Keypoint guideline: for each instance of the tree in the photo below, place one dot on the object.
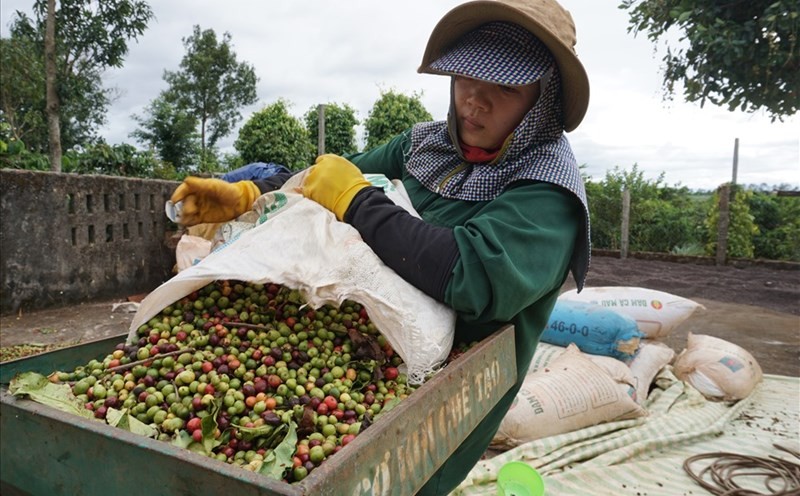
(170, 130)
(741, 226)
(778, 221)
(21, 95)
(212, 85)
(89, 37)
(392, 114)
(740, 53)
(661, 218)
(340, 133)
(273, 135)
(52, 102)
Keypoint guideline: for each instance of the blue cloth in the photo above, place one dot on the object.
(254, 171)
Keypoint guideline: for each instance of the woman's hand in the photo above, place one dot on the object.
(213, 200)
(333, 182)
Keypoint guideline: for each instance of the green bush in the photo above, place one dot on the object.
(392, 114)
(741, 225)
(272, 135)
(340, 132)
(778, 221)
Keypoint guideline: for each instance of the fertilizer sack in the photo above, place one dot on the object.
(571, 393)
(547, 353)
(293, 241)
(656, 313)
(593, 328)
(650, 358)
(648, 362)
(719, 369)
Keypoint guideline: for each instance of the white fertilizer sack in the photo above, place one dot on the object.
(656, 313)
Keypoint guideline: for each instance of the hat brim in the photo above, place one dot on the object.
(466, 17)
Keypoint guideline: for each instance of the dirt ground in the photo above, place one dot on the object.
(755, 307)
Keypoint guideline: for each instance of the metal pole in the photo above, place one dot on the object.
(735, 160)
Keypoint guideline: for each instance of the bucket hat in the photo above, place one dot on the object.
(545, 19)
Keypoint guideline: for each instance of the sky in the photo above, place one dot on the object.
(309, 52)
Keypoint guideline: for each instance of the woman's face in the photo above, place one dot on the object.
(486, 113)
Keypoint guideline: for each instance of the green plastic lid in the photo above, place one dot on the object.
(519, 479)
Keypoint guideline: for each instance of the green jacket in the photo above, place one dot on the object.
(514, 251)
(513, 255)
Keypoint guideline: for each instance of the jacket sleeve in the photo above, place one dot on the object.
(421, 253)
(273, 182)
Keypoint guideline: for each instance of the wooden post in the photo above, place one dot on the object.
(626, 215)
(722, 224)
(320, 129)
(735, 160)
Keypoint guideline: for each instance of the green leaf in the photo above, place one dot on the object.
(250, 433)
(123, 420)
(39, 389)
(209, 427)
(279, 460)
(183, 439)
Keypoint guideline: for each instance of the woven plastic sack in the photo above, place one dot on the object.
(190, 250)
(719, 369)
(656, 313)
(546, 353)
(293, 241)
(571, 393)
(648, 362)
(593, 328)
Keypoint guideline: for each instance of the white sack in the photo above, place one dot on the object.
(190, 250)
(719, 369)
(546, 353)
(299, 244)
(571, 393)
(656, 313)
(649, 360)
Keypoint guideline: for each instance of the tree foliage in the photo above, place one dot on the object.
(212, 85)
(778, 221)
(171, 131)
(340, 123)
(91, 36)
(742, 54)
(273, 135)
(101, 158)
(392, 114)
(662, 218)
(22, 91)
(741, 224)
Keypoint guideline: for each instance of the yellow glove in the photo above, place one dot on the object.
(333, 183)
(213, 200)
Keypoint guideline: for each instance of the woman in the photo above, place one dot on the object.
(504, 214)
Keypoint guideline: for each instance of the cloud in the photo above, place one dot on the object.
(316, 51)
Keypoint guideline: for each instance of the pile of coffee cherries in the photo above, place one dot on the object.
(236, 370)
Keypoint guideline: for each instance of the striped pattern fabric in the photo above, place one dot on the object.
(645, 456)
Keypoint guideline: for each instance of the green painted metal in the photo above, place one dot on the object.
(48, 452)
(66, 358)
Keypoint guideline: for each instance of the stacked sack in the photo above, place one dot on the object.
(600, 354)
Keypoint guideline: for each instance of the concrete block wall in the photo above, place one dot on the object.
(69, 238)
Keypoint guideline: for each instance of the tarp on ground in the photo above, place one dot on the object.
(646, 455)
